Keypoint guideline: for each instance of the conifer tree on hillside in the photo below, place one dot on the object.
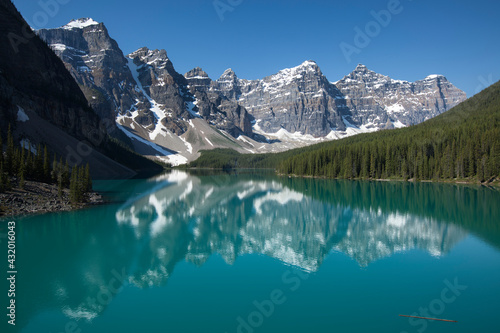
(1, 148)
(46, 164)
(9, 152)
(22, 164)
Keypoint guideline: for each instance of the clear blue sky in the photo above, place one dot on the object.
(456, 38)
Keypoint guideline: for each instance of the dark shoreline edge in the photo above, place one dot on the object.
(492, 182)
(40, 198)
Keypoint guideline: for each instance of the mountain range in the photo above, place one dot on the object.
(173, 116)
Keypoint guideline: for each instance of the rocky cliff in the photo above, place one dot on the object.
(377, 101)
(299, 99)
(98, 65)
(217, 109)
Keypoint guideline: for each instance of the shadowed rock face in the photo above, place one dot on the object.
(32, 77)
(35, 83)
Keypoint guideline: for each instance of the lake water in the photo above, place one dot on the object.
(254, 252)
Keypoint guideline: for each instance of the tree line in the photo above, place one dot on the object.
(21, 163)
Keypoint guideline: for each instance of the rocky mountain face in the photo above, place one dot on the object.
(42, 101)
(146, 96)
(302, 100)
(98, 66)
(217, 109)
(166, 90)
(299, 99)
(377, 101)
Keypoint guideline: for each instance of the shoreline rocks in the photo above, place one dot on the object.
(39, 198)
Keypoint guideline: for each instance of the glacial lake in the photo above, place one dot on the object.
(253, 252)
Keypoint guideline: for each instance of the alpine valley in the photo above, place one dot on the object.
(173, 116)
(137, 198)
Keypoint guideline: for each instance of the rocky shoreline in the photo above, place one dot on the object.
(38, 198)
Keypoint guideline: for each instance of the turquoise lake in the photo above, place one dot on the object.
(254, 252)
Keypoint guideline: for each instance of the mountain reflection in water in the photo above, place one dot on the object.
(180, 217)
(191, 218)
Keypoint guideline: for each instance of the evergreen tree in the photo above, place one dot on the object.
(46, 165)
(9, 162)
(1, 148)
(2, 179)
(38, 170)
(65, 174)
(55, 170)
(88, 179)
(59, 187)
(73, 186)
(29, 165)
(21, 169)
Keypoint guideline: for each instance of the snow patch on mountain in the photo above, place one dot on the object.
(21, 115)
(153, 145)
(395, 108)
(155, 107)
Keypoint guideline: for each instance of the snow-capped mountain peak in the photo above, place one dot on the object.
(309, 65)
(361, 72)
(435, 77)
(360, 67)
(289, 74)
(156, 58)
(80, 23)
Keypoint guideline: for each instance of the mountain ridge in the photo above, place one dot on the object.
(294, 107)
